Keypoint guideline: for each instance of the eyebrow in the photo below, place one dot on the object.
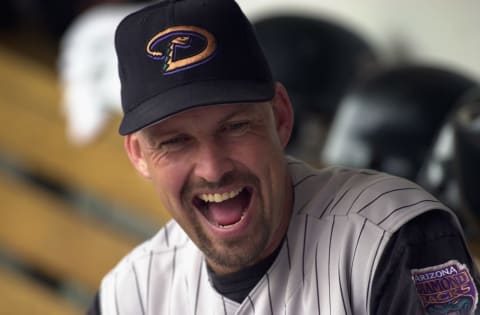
(150, 136)
(239, 111)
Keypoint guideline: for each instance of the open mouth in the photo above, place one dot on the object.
(224, 210)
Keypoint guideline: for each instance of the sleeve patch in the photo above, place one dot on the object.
(446, 289)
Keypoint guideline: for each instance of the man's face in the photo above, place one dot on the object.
(220, 170)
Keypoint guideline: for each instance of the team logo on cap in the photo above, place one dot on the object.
(181, 47)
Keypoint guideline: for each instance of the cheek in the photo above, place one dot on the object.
(168, 182)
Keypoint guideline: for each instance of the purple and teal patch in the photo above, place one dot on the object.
(446, 289)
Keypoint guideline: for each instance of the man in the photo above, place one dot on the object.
(253, 231)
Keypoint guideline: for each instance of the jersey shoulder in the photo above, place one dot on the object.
(169, 238)
(144, 277)
(386, 200)
(150, 263)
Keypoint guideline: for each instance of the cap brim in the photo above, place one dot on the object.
(193, 95)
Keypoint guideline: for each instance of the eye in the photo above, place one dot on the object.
(236, 128)
(175, 143)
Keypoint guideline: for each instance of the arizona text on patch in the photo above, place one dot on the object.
(181, 47)
(446, 289)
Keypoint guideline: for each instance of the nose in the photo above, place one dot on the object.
(212, 162)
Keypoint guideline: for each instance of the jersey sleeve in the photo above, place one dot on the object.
(426, 268)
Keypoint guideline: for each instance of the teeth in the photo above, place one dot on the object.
(220, 197)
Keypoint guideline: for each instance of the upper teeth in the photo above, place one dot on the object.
(219, 197)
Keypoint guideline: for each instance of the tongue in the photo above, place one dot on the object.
(225, 213)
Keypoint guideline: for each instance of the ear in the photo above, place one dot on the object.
(283, 111)
(135, 154)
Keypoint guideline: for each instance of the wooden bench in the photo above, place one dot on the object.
(53, 234)
(55, 239)
(32, 131)
(22, 296)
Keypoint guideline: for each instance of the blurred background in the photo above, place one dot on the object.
(392, 86)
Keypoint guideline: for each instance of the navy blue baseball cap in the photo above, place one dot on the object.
(174, 55)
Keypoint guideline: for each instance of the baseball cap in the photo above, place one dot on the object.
(174, 55)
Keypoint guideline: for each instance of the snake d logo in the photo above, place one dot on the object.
(181, 47)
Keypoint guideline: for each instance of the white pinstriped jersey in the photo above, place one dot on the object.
(342, 220)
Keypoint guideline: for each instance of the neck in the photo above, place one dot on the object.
(237, 285)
